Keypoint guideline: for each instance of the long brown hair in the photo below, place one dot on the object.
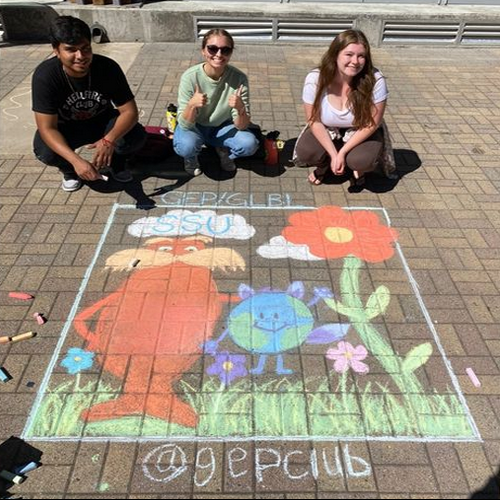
(360, 99)
(216, 32)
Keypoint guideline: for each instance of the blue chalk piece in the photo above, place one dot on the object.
(23, 469)
(5, 376)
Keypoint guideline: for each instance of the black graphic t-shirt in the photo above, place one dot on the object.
(80, 101)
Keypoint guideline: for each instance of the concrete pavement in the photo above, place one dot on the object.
(404, 420)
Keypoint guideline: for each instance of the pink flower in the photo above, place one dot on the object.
(346, 356)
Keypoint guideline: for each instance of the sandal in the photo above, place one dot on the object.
(315, 178)
(356, 184)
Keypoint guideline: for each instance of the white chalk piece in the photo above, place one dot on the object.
(5, 376)
(473, 377)
(13, 478)
(23, 469)
(134, 262)
(104, 177)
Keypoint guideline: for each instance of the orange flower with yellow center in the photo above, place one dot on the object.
(333, 233)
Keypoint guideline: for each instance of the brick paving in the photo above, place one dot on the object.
(443, 114)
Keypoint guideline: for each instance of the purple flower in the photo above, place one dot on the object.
(228, 367)
(347, 356)
(321, 292)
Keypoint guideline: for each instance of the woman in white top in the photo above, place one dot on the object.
(344, 102)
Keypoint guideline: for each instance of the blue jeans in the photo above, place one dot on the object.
(188, 142)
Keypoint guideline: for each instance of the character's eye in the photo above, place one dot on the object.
(276, 316)
(165, 249)
(261, 315)
(191, 249)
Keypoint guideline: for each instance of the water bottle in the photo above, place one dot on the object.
(171, 115)
(271, 149)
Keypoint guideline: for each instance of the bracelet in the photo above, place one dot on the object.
(107, 142)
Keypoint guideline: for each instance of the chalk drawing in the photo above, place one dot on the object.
(186, 222)
(200, 467)
(219, 334)
(160, 464)
(7, 111)
(152, 326)
(271, 322)
(234, 456)
(227, 199)
(168, 462)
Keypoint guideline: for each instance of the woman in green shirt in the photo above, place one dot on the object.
(214, 107)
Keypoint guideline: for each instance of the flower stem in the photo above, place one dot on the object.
(374, 342)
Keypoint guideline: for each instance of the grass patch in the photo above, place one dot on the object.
(272, 408)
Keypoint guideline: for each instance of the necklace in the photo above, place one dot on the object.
(73, 90)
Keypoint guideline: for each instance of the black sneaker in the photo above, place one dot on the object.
(226, 163)
(192, 166)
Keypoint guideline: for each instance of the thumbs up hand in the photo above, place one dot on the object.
(199, 98)
(235, 100)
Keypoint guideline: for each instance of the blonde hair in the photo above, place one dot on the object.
(360, 99)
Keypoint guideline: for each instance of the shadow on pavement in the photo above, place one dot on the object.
(491, 489)
(407, 161)
(172, 168)
(15, 453)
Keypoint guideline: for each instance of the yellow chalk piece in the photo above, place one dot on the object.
(23, 336)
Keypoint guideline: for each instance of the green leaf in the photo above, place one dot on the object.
(333, 304)
(417, 357)
(354, 313)
(378, 302)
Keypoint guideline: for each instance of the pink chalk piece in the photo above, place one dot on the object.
(39, 318)
(20, 295)
(473, 377)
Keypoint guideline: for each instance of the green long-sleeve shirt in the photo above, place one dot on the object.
(217, 110)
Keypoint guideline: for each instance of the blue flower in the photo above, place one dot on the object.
(78, 360)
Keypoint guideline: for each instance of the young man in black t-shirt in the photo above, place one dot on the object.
(78, 99)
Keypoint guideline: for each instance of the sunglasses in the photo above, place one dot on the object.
(214, 49)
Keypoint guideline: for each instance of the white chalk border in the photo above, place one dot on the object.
(83, 286)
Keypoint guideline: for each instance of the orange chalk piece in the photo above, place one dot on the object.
(21, 296)
(39, 318)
